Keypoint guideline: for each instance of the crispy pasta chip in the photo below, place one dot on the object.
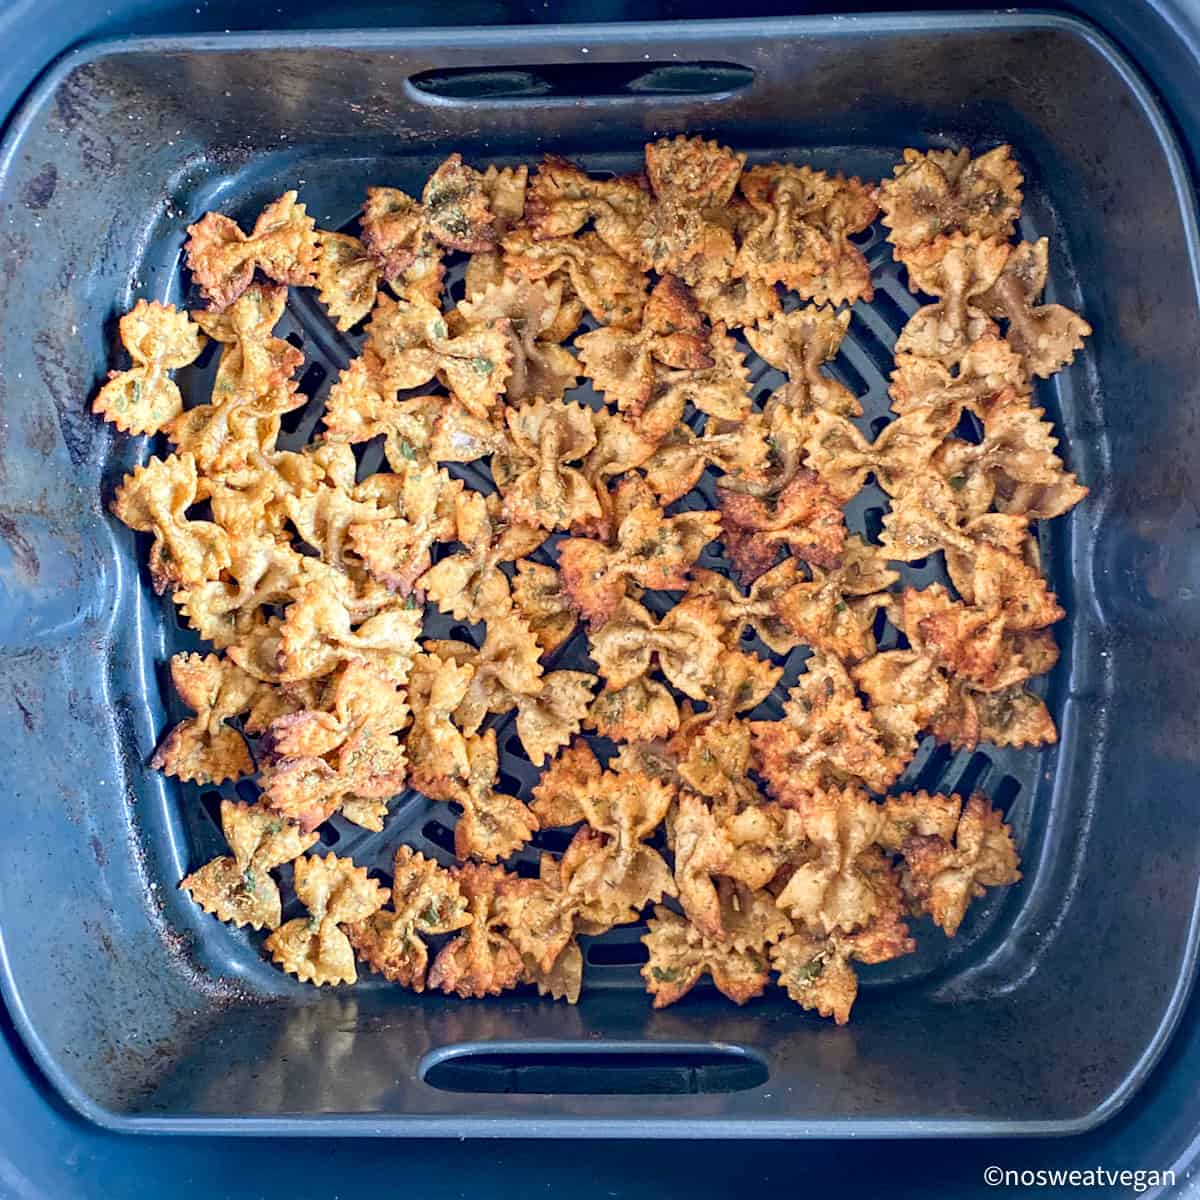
(800, 234)
(204, 749)
(469, 585)
(282, 245)
(652, 550)
(482, 960)
(941, 876)
(528, 313)
(684, 232)
(409, 343)
(457, 207)
(680, 956)
(756, 610)
(493, 825)
(640, 711)
(426, 900)
(941, 192)
(906, 692)
(318, 634)
(397, 550)
(556, 798)
(684, 643)
(144, 399)
(239, 888)
(544, 605)
(826, 737)
(1046, 336)
(536, 477)
(815, 968)
(612, 290)
(563, 198)
(803, 518)
(437, 749)
(154, 499)
(842, 458)
(315, 948)
(347, 278)
(961, 270)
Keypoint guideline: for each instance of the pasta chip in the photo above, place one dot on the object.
(204, 749)
(815, 968)
(154, 499)
(282, 245)
(804, 518)
(756, 610)
(652, 550)
(542, 601)
(397, 550)
(611, 289)
(941, 192)
(144, 399)
(536, 477)
(482, 960)
(409, 343)
(941, 877)
(528, 313)
(800, 235)
(469, 585)
(680, 956)
(959, 269)
(684, 643)
(684, 232)
(563, 198)
(1046, 336)
(315, 948)
(239, 888)
(426, 900)
(826, 737)
(556, 798)
(639, 711)
(347, 278)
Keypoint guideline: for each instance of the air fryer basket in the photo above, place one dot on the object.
(1047, 1010)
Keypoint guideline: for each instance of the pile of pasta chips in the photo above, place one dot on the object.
(756, 849)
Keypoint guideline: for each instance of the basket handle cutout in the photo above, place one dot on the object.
(552, 82)
(600, 1069)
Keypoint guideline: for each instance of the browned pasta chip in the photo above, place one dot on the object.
(680, 955)
(144, 399)
(282, 244)
(238, 888)
(946, 191)
(203, 748)
(315, 948)
(426, 900)
(801, 230)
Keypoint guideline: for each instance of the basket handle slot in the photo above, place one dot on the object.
(598, 1069)
(580, 81)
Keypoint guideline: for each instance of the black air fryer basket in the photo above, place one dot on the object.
(1051, 1005)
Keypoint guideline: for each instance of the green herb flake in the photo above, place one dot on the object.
(665, 974)
(806, 974)
(958, 482)
(249, 883)
(431, 915)
(407, 450)
(482, 366)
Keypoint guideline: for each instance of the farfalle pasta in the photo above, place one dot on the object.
(718, 700)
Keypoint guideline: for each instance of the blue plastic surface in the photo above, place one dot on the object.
(50, 1153)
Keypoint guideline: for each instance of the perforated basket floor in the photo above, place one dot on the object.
(863, 365)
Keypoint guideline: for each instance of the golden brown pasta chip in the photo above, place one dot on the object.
(144, 398)
(222, 259)
(238, 888)
(315, 948)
